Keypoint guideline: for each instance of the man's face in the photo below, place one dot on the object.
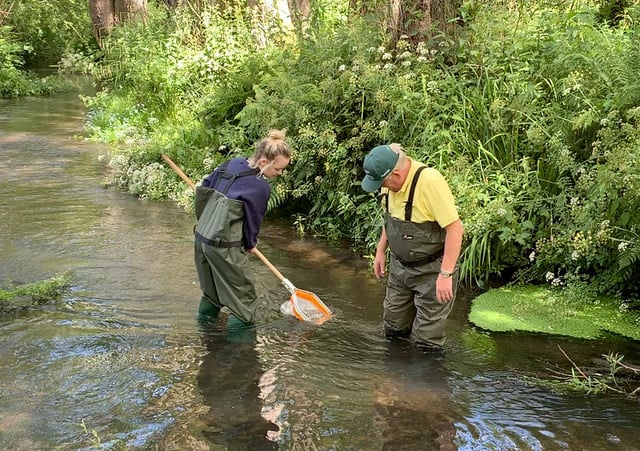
(393, 181)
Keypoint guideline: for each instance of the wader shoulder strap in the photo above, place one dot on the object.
(230, 178)
(408, 208)
(383, 198)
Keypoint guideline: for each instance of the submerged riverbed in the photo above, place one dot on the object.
(121, 361)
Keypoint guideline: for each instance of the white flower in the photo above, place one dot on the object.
(342, 68)
(623, 246)
(386, 56)
(549, 276)
(532, 256)
(575, 256)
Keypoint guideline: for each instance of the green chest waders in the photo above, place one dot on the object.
(410, 306)
(223, 267)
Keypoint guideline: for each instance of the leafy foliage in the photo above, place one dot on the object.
(47, 30)
(534, 309)
(530, 113)
(14, 81)
(34, 35)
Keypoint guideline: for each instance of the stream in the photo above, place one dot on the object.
(121, 361)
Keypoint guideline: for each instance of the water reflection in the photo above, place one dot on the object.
(413, 404)
(229, 380)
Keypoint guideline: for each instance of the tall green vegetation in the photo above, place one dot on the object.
(14, 81)
(49, 30)
(37, 34)
(532, 113)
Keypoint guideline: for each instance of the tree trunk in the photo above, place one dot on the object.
(130, 9)
(422, 19)
(105, 14)
(102, 17)
(300, 13)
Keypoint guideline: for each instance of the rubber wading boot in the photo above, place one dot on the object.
(239, 331)
(207, 311)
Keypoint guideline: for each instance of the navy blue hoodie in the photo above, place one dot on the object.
(253, 191)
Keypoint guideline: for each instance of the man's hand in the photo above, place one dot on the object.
(444, 289)
(380, 264)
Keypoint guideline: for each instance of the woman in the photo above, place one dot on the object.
(230, 205)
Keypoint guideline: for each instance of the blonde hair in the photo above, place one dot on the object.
(271, 146)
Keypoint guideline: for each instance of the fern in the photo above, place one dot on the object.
(629, 262)
(279, 194)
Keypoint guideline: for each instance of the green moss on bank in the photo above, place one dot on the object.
(539, 309)
(39, 292)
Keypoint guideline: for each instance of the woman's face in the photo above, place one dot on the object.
(273, 168)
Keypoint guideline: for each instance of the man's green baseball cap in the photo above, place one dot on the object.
(377, 165)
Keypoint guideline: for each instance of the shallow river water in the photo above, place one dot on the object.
(122, 363)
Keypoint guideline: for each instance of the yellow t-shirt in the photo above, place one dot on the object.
(432, 200)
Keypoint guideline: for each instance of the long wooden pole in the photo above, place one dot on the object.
(182, 175)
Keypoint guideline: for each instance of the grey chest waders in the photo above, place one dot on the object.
(410, 242)
(410, 305)
(223, 267)
(220, 218)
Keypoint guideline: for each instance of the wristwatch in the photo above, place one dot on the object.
(445, 274)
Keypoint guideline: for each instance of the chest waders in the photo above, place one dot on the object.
(223, 266)
(410, 305)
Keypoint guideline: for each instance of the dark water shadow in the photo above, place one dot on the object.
(228, 379)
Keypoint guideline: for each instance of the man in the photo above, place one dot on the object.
(424, 233)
